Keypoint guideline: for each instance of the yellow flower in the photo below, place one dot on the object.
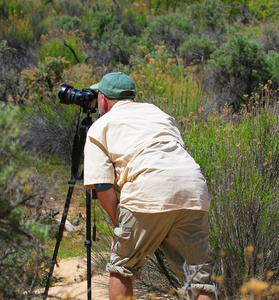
(269, 274)
(254, 286)
(218, 279)
(201, 110)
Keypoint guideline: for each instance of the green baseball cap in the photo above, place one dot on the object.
(114, 84)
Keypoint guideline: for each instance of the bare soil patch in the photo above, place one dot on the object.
(71, 283)
(70, 275)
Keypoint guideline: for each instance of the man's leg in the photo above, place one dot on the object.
(203, 295)
(120, 286)
(186, 248)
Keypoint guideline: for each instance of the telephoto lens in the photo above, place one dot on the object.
(86, 98)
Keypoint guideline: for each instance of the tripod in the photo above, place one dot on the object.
(77, 151)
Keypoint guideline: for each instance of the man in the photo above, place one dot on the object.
(136, 149)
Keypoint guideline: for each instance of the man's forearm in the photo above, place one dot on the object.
(109, 202)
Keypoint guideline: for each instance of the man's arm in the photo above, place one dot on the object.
(109, 202)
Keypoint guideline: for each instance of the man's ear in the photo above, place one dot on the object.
(103, 104)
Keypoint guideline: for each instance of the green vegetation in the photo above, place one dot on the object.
(212, 64)
(239, 156)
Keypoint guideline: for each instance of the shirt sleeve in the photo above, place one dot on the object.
(97, 165)
(102, 187)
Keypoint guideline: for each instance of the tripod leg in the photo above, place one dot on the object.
(77, 152)
(59, 236)
(88, 242)
(164, 269)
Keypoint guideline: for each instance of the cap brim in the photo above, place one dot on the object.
(94, 86)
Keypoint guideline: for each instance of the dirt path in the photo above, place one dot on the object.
(72, 282)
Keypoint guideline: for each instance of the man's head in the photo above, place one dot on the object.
(113, 87)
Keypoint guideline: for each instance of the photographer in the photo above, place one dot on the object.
(136, 149)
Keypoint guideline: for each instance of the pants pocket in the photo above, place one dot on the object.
(122, 237)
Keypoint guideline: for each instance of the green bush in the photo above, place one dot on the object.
(269, 37)
(21, 236)
(170, 30)
(120, 47)
(239, 157)
(237, 69)
(249, 12)
(68, 23)
(100, 21)
(10, 87)
(114, 35)
(197, 49)
(130, 24)
(73, 8)
(263, 9)
(162, 79)
(209, 16)
(60, 44)
(43, 81)
(22, 22)
(273, 62)
(49, 129)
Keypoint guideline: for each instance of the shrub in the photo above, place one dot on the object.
(48, 126)
(197, 49)
(114, 35)
(41, 82)
(263, 10)
(130, 26)
(249, 12)
(49, 129)
(273, 62)
(237, 69)
(9, 85)
(120, 47)
(163, 80)
(22, 23)
(170, 30)
(21, 236)
(239, 157)
(73, 8)
(269, 37)
(100, 21)
(17, 27)
(209, 17)
(62, 44)
(68, 23)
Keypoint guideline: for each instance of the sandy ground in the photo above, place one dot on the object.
(72, 281)
(71, 284)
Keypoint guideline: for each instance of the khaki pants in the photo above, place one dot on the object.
(182, 235)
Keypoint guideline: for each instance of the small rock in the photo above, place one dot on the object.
(77, 219)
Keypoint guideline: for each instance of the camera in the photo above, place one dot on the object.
(86, 98)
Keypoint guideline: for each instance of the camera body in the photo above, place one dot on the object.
(86, 98)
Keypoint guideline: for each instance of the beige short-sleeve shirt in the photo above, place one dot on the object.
(139, 149)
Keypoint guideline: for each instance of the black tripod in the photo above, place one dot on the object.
(78, 147)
